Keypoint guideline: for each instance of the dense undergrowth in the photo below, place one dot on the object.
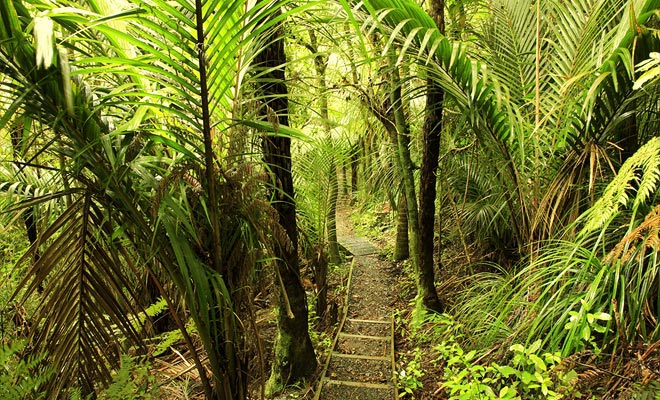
(550, 328)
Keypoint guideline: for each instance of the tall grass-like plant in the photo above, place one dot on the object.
(599, 290)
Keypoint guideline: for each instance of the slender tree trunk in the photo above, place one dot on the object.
(355, 164)
(344, 174)
(320, 265)
(333, 245)
(425, 288)
(294, 355)
(321, 65)
(428, 179)
(29, 214)
(402, 245)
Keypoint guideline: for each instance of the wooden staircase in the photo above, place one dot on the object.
(360, 362)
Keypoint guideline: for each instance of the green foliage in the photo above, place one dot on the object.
(165, 340)
(22, 377)
(583, 323)
(409, 377)
(132, 381)
(530, 374)
(650, 391)
(314, 165)
(587, 293)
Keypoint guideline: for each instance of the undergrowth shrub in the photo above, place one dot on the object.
(21, 377)
(132, 381)
(527, 372)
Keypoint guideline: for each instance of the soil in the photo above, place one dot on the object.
(349, 393)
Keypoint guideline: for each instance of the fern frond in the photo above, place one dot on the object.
(636, 181)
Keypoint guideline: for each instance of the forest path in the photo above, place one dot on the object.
(360, 365)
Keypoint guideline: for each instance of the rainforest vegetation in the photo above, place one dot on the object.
(171, 173)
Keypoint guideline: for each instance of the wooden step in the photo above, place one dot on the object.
(355, 336)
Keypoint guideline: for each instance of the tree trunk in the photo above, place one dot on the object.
(333, 245)
(294, 355)
(320, 266)
(344, 175)
(29, 213)
(355, 164)
(425, 288)
(428, 179)
(402, 245)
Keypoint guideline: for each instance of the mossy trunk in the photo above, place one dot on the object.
(294, 355)
(402, 245)
(344, 174)
(333, 244)
(427, 182)
(425, 287)
(355, 165)
(320, 267)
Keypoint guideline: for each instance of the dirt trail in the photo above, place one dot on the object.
(360, 366)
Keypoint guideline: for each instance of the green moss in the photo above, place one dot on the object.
(419, 313)
(276, 381)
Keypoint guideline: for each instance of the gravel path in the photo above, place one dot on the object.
(361, 367)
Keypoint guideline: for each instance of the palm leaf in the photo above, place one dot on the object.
(84, 304)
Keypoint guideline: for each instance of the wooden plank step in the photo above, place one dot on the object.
(368, 321)
(355, 336)
(361, 357)
(359, 384)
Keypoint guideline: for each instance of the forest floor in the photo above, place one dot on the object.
(361, 343)
(361, 362)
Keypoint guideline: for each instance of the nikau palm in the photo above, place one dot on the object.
(139, 114)
(570, 97)
(130, 123)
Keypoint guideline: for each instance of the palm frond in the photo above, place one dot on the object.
(511, 47)
(86, 303)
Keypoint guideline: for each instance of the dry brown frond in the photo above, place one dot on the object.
(647, 231)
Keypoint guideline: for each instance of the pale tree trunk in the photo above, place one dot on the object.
(294, 355)
(427, 186)
(321, 65)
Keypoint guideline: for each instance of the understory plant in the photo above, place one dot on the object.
(22, 377)
(596, 289)
(529, 374)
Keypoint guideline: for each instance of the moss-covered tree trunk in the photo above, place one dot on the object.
(355, 167)
(294, 355)
(427, 182)
(425, 287)
(333, 244)
(401, 245)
